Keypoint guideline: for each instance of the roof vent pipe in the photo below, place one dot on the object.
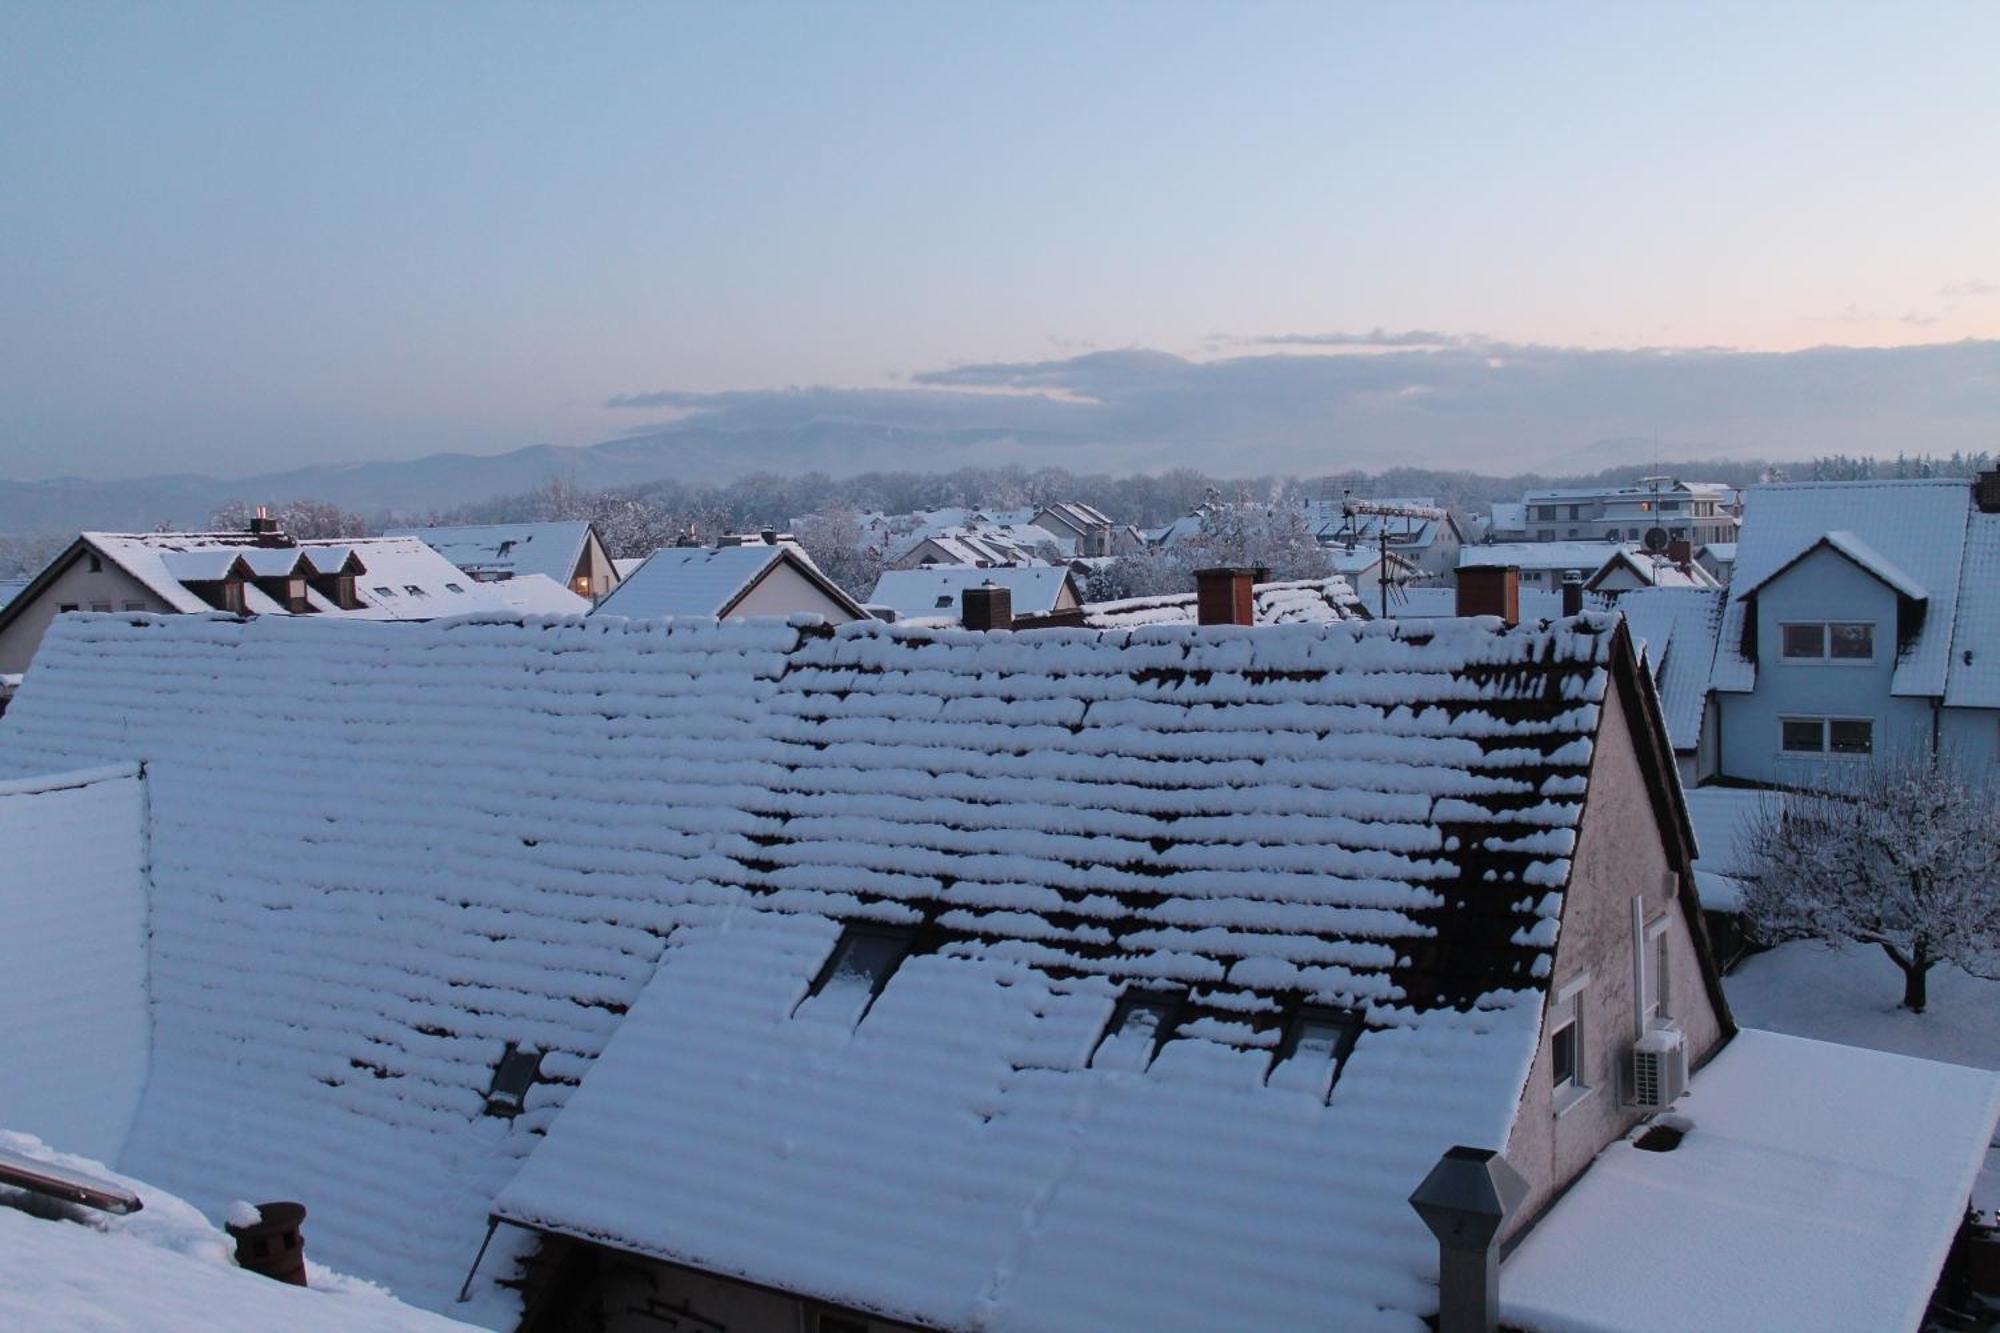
(1572, 593)
(988, 606)
(270, 1243)
(1225, 595)
(1464, 1201)
(1490, 590)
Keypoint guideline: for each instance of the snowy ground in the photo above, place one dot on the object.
(1853, 995)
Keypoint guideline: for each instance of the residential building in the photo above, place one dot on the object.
(1627, 569)
(1718, 558)
(934, 592)
(1692, 511)
(1085, 530)
(978, 547)
(1677, 629)
(571, 553)
(1366, 569)
(262, 572)
(1429, 542)
(1284, 602)
(1863, 619)
(760, 575)
(1064, 981)
(1543, 565)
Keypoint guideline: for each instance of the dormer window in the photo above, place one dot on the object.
(1141, 1022)
(855, 973)
(517, 1071)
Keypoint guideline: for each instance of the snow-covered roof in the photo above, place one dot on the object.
(1287, 602)
(498, 549)
(1910, 534)
(1974, 679)
(1677, 628)
(1800, 1198)
(1585, 556)
(403, 579)
(537, 595)
(990, 543)
(1721, 552)
(10, 589)
(166, 1267)
(1508, 516)
(1722, 818)
(1437, 602)
(1653, 571)
(1363, 559)
(1263, 816)
(710, 580)
(933, 590)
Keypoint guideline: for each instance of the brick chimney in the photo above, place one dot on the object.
(1572, 593)
(1490, 590)
(988, 606)
(265, 528)
(1681, 552)
(269, 1242)
(1986, 491)
(1225, 595)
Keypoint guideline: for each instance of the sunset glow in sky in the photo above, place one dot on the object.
(358, 231)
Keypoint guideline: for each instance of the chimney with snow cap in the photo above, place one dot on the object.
(1572, 593)
(988, 606)
(1226, 595)
(268, 1239)
(1465, 1199)
(1490, 590)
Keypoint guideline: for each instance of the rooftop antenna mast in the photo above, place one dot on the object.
(1352, 508)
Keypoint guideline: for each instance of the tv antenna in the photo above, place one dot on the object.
(1351, 508)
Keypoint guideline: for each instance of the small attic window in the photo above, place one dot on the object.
(453, 587)
(385, 592)
(855, 973)
(1315, 1049)
(517, 1071)
(413, 590)
(1141, 1022)
(944, 599)
(506, 547)
(96, 564)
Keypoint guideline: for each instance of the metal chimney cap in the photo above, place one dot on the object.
(1467, 1195)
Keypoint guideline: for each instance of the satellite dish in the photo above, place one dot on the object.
(1656, 540)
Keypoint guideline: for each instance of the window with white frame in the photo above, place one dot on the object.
(1656, 1001)
(1846, 737)
(1567, 1048)
(1823, 641)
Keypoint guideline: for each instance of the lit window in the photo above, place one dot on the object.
(517, 1071)
(1852, 643)
(1141, 1022)
(1803, 735)
(1805, 641)
(859, 967)
(1315, 1049)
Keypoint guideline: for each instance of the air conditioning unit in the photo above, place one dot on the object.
(1659, 1069)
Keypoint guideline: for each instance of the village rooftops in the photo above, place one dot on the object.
(933, 591)
(503, 550)
(1678, 628)
(1584, 556)
(721, 581)
(1287, 602)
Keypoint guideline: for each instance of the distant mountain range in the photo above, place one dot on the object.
(415, 487)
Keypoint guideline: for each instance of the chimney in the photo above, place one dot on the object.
(265, 528)
(1572, 593)
(1225, 595)
(988, 606)
(1490, 590)
(269, 1242)
(770, 536)
(1681, 552)
(1464, 1201)
(1986, 491)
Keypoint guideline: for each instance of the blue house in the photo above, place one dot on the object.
(1863, 619)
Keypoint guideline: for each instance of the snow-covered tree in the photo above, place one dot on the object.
(838, 545)
(296, 518)
(1273, 537)
(1904, 855)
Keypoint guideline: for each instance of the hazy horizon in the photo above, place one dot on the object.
(244, 239)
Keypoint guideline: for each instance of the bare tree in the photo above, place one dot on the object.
(840, 548)
(296, 518)
(1904, 855)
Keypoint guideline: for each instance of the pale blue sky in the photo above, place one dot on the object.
(249, 235)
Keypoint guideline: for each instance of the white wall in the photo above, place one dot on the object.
(109, 589)
(74, 1029)
(783, 591)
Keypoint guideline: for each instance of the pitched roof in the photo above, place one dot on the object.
(711, 580)
(1678, 629)
(1287, 602)
(1585, 556)
(1911, 534)
(1439, 602)
(933, 590)
(1371, 815)
(554, 549)
(1721, 817)
(1974, 680)
(1652, 571)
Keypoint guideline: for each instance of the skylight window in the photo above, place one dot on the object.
(859, 967)
(453, 587)
(1140, 1024)
(413, 590)
(517, 1071)
(385, 592)
(1315, 1049)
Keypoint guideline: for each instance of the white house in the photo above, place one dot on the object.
(933, 592)
(1429, 544)
(1863, 618)
(755, 577)
(570, 553)
(1692, 511)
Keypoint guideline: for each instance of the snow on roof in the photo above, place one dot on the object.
(706, 580)
(1974, 681)
(1677, 628)
(933, 590)
(1724, 552)
(554, 549)
(624, 565)
(1909, 533)
(990, 543)
(1862, 554)
(166, 1267)
(1433, 603)
(1262, 815)
(1653, 571)
(1721, 817)
(1287, 602)
(1585, 556)
(11, 588)
(1509, 515)
(536, 595)
(1799, 1199)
